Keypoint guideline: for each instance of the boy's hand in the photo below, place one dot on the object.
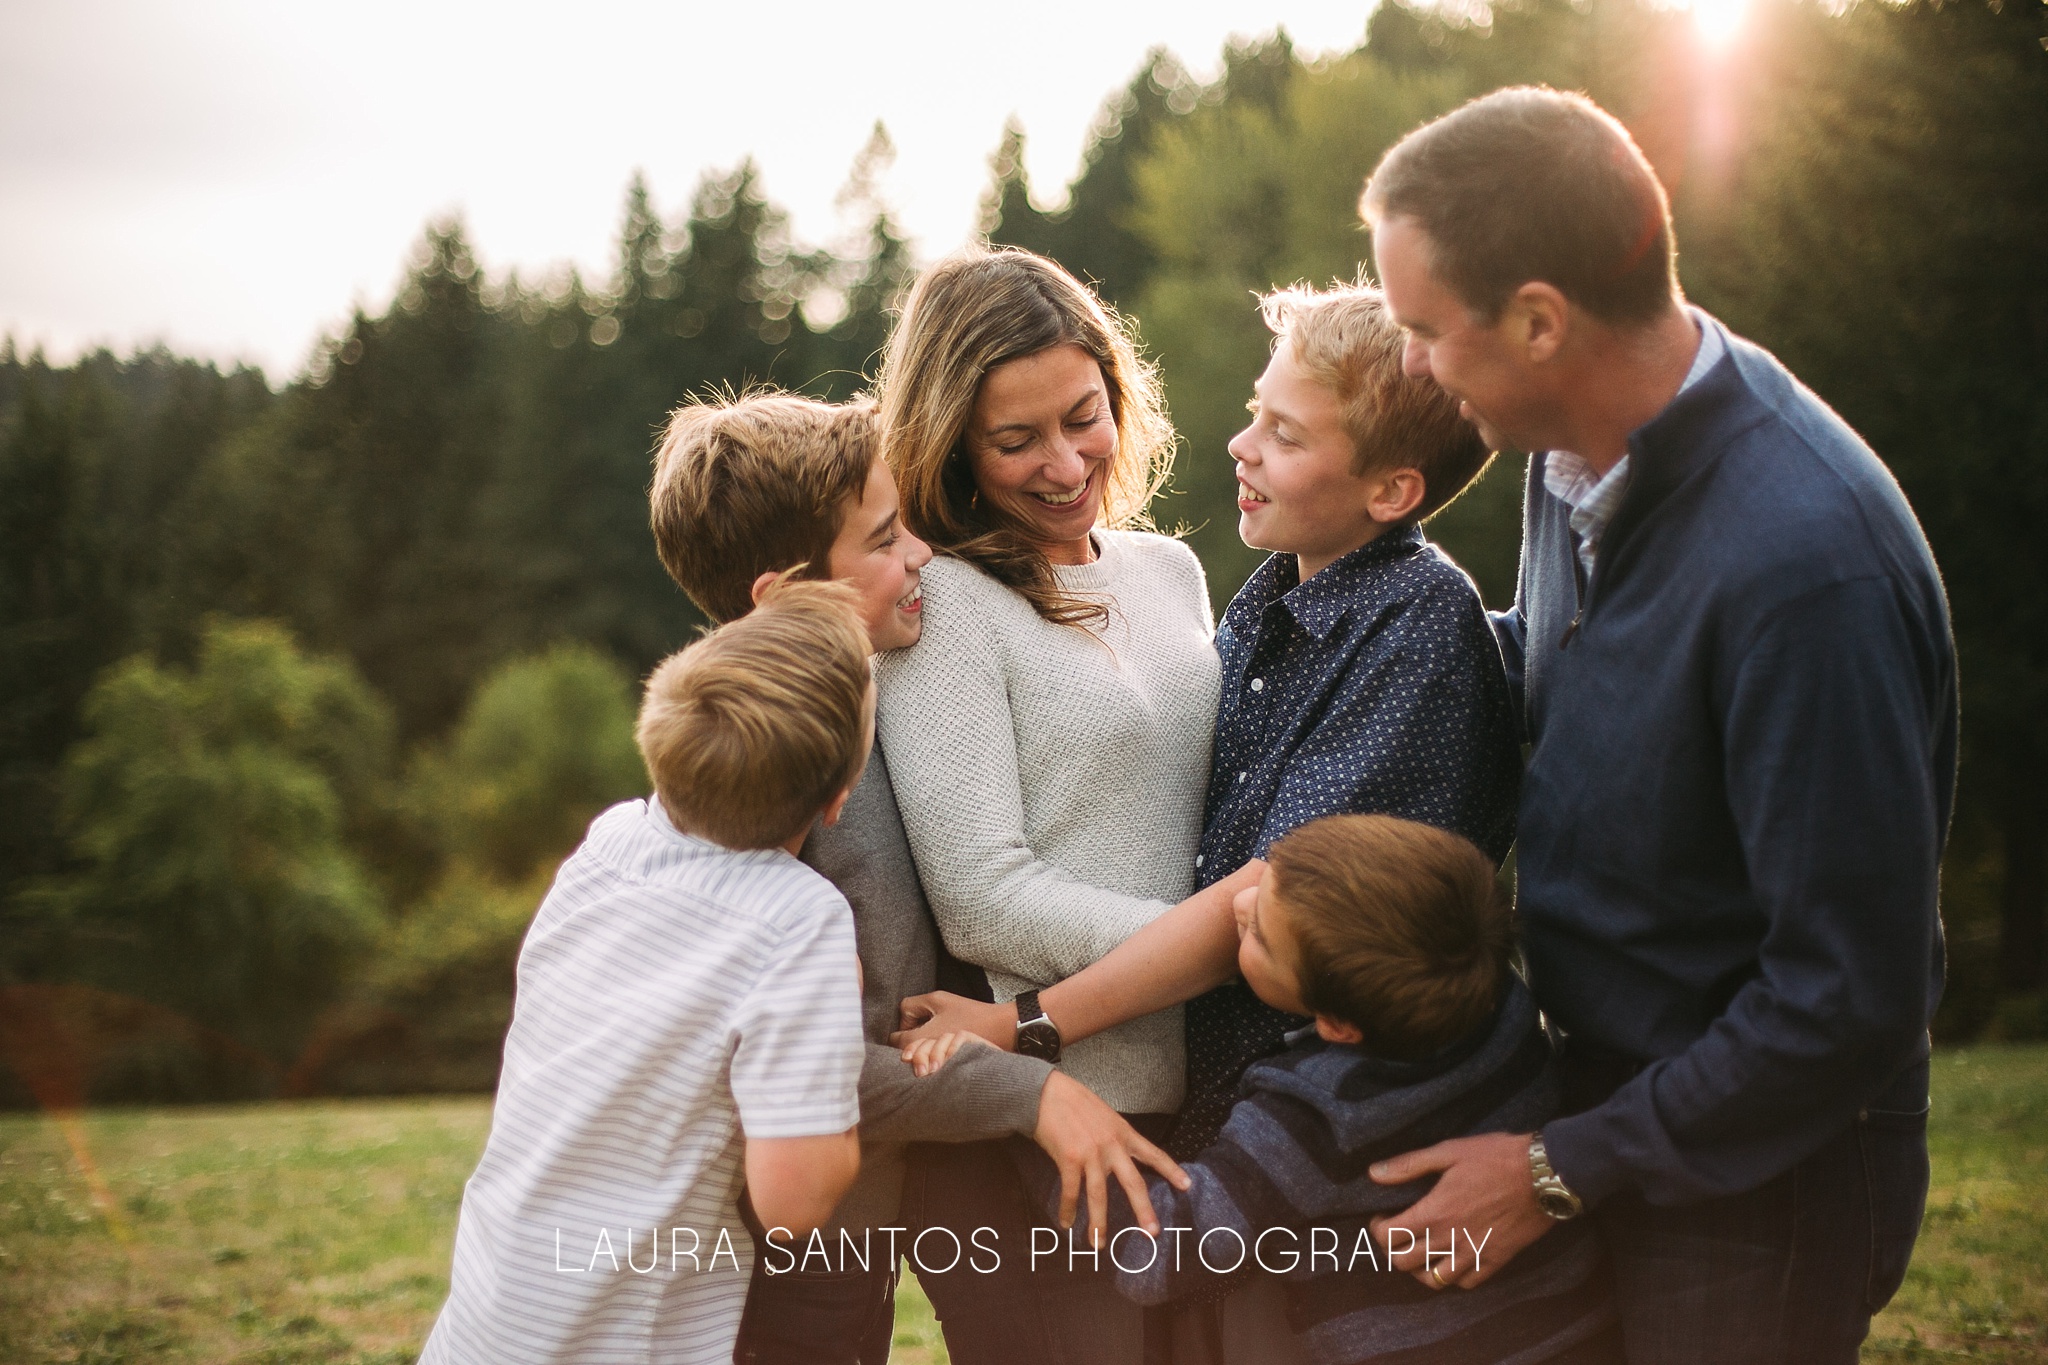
(1090, 1141)
(927, 1055)
(942, 1012)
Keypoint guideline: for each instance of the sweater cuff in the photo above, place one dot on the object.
(1588, 1167)
(1011, 1086)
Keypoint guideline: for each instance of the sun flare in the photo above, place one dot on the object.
(1719, 21)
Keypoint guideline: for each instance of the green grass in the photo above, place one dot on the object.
(316, 1233)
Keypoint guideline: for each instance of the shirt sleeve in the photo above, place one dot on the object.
(1833, 784)
(950, 734)
(980, 1093)
(1420, 728)
(796, 1068)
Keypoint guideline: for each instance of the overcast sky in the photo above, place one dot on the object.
(230, 176)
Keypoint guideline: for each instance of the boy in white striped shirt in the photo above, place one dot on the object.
(687, 1016)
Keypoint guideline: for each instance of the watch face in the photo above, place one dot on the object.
(1558, 1203)
(1039, 1039)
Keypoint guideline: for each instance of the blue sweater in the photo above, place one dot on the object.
(1288, 1177)
(1744, 747)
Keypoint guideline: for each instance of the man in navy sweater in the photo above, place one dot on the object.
(1738, 684)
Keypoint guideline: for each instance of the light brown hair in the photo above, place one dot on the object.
(1531, 184)
(967, 314)
(754, 729)
(1403, 930)
(756, 484)
(1348, 342)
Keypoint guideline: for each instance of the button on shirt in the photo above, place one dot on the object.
(1374, 688)
(1594, 498)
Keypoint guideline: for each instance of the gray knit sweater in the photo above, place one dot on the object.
(1051, 778)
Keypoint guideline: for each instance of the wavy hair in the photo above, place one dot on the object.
(965, 315)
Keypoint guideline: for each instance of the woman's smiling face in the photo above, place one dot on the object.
(1039, 443)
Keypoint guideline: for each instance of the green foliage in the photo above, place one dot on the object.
(545, 744)
(98, 504)
(1098, 233)
(207, 808)
(455, 481)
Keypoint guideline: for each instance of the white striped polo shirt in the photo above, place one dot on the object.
(674, 997)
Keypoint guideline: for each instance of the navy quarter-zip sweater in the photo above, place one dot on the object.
(1743, 733)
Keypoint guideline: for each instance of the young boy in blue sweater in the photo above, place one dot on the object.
(1394, 937)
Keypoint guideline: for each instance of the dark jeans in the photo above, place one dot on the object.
(818, 1318)
(1789, 1273)
(1015, 1314)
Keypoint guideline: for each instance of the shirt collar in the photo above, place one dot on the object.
(1321, 603)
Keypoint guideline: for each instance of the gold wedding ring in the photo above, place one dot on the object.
(1436, 1272)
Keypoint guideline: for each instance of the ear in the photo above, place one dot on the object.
(1332, 1030)
(1399, 493)
(761, 586)
(835, 808)
(1539, 317)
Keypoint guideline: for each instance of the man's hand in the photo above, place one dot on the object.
(942, 1012)
(1090, 1142)
(1484, 1196)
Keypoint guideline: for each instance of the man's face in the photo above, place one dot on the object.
(1469, 358)
(1296, 491)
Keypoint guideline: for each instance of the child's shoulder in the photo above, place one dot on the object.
(1428, 595)
(1437, 580)
(634, 842)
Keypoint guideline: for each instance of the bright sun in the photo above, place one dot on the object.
(1718, 21)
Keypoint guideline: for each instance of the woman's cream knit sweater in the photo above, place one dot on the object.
(1052, 778)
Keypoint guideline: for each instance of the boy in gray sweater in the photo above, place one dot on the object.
(744, 490)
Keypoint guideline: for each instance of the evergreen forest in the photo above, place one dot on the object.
(305, 688)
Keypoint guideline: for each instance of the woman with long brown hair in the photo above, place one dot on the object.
(1050, 734)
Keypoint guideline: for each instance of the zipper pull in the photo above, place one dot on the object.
(1571, 630)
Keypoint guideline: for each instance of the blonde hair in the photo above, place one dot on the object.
(754, 729)
(1349, 343)
(1402, 928)
(756, 484)
(967, 314)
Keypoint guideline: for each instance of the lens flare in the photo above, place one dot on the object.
(1718, 22)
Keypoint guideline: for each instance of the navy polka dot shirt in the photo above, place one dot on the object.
(1374, 688)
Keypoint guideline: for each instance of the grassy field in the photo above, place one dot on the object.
(304, 1234)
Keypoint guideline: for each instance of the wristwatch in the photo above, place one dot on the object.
(1037, 1035)
(1553, 1196)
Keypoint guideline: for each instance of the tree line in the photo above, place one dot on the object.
(304, 690)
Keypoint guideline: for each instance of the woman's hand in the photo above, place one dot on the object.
(1092, 1144)
(927, 1055)
(931, 1016)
